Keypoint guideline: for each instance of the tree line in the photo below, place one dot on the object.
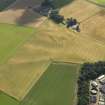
(89, 71)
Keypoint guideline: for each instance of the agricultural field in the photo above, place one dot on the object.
(31, 44)
(57, 86)
(7, 100)
(24, 76)
(11, 38)
(19, 13)
(101, 2)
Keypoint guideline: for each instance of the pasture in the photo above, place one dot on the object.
(102, 2)
(57, 86)
(11, 38)
(7, 100)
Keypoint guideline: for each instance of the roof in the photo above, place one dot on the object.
(103, 89)
(101, 103)
(94, 83)
(93, 99)
(93, 91)
(100, 77)
(102, 80)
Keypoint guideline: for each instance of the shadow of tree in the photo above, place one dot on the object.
(30, 16)
(98, 4)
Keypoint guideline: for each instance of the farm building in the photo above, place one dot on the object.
(101, 103)
(102, 89)
(101, 77)
(94, 92)
(102, 81)
(94, 84)
(93, 99)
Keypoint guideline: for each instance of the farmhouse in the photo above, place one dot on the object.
(102, 89)
(73, 23)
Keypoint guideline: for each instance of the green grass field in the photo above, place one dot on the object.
(7, 100)
(5, 3)
(102, 2)
(11, 37)
(61, 3)
(56, 87)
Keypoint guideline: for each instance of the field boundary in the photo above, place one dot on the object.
(8, 95)
(35, 81)
(93, 2)
(15, 49)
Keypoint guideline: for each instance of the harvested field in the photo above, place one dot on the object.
(65, 46)
(80, 9)
(24, 76)
(94, 27)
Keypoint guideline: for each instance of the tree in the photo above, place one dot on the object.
(48, 3)
(54, 15)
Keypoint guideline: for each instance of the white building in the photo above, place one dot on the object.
(101, 103)
(93, 91)
(94, 83)
(101, 77)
